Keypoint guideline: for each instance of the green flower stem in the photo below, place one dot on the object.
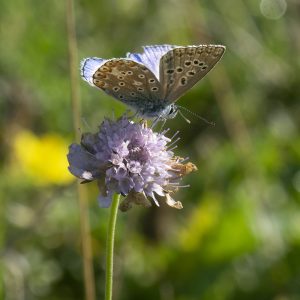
(110, 247)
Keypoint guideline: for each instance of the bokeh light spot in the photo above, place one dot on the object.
(273, 9)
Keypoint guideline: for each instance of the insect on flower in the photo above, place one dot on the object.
(130, 159)
(150, 82)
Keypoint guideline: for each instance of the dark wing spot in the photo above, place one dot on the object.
(191, 73)
(99, 83)
(154, 89)
(105, 69)
(200, 50)
(209, 50)
(183, 81)
(140, 89)
(141, 76)
(179, 70)
(204, 68)
(196, 62)
(116, 88)
(133, 94)
(121, 83)
(170, 71)
(121, 77)
(187, 63)
(171, 81)
(151, 80)
(129, 72)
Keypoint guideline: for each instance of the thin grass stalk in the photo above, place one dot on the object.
(89, 280)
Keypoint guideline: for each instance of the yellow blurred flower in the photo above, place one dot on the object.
(42, 158)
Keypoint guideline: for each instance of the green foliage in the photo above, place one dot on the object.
(238, 235)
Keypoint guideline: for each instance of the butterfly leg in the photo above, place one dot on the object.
(155, 122)
(163, 125)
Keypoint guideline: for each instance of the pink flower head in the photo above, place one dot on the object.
(130, 159)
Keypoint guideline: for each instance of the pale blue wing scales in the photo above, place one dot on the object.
(151, 57)
(89, 66)
(182, 67)
(125, 80)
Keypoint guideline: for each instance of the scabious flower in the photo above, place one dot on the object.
(130, 159)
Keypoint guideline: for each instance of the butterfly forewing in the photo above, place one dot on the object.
(128, 81)
(182, 67)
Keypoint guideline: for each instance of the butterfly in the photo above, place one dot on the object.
(150, 82)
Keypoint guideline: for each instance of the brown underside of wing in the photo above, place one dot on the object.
(182, 67)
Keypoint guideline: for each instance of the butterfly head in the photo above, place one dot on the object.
(169, 112)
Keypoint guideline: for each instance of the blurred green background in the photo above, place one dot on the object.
(238, 236)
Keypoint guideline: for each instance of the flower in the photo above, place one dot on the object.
(130, 159)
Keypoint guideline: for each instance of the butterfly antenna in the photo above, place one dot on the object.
(184, 117)
(195, 115)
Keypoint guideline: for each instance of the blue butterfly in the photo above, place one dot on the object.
(150, 82)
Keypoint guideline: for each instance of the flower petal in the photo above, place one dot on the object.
(136, 198)
(171, 202)
(83, 164)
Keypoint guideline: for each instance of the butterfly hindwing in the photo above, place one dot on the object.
(151, 57)
(182, 67)
(127, 81)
